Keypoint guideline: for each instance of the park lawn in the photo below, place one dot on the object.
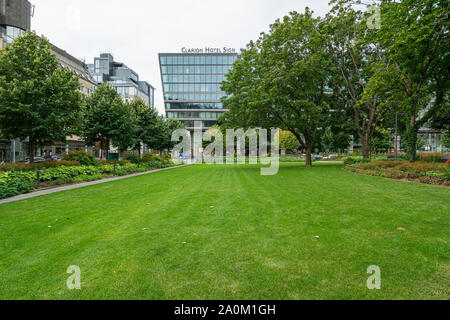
(226, 232)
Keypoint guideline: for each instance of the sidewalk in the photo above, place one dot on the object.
(78, 186)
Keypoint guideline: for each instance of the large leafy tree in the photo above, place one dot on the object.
(108, 120)
(149, 129)
(39, 101)
(356, 60)
(169, 126)
(281, 81)
(414, 35)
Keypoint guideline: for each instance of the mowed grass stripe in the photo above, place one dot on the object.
(226, 232)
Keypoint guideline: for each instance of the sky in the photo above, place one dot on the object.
(135, 31)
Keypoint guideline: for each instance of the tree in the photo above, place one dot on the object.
(281, 81)
(170, 126)
(446, 139)
(108, 119)
(288, 141)
(337, 140)
(356, 59)
(415, 35)
(381, 140)
(39, 101)
(149, 125)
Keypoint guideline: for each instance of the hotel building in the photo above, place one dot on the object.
(192, 84)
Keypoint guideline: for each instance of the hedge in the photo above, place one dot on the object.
(18, 181)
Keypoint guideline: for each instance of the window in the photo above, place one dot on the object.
(119, 90)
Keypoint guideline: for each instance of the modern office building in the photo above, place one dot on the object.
(15, 18)
(192, 84)
(123, 79)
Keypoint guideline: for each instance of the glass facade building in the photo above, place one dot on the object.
(123, 79)
(192, 86)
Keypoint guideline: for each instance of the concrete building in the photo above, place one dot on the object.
(122, 78)
(191, 84)
(15, 19)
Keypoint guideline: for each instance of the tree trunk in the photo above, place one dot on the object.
(308, 154)
(411, 140)
(31, 151)
(365, 147)
(106, 150)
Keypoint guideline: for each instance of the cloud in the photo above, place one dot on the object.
(135, 31)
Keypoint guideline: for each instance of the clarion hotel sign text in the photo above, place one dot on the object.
(208, 50)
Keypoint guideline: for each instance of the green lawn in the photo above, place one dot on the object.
(226, 232)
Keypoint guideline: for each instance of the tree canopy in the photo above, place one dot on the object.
(40, 102)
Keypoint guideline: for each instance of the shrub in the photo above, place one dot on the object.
(37, 166)
(151, 157)
(13, 183)
(133, 159)
(431, 157)
(100, 163)
(84, 158)
(352, 161)
(88, 178)
(166, 157)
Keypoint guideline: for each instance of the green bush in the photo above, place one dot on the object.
(16, 182)
(133, 159)
(352, 161)
(13, 183)
(37, 166)
(88, 178)
(100, 163)
(431, 157)
(84, 158)
(151, 157)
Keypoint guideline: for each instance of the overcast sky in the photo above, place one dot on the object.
(135, 31)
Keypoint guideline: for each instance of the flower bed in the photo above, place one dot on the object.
(20, 180)
(423, 172)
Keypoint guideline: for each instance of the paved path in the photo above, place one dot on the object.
(80, 185)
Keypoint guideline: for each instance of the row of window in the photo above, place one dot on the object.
(197, 87)
(205, 124)
(128, 91)
(194, 115)
(218, 78)
(196, 59)
(216, 69)
(9, 33)
(193, 96)
(193, 106)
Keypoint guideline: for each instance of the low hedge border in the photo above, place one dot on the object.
(13, 183)
(420, 171)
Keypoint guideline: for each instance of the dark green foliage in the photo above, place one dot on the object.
(37, 166)
(39, 100)
(83, 158)
(108, 120)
